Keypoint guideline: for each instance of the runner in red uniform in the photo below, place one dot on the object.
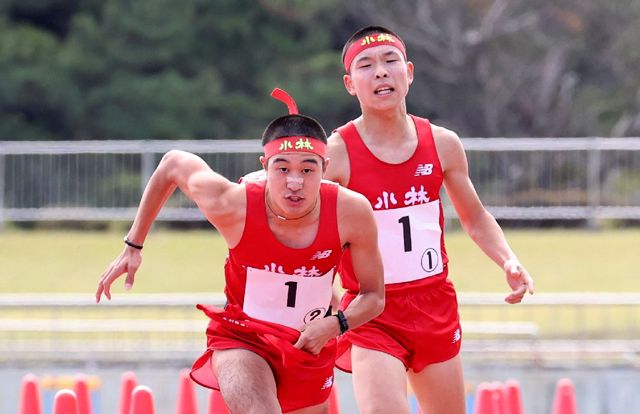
(399, 162)
(272, 350)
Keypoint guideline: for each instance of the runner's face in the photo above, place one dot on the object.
(293, 182)
(380, 77)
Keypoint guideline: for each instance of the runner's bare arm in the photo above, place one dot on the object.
(194, 177)
(475, 219)
(357, 227)
(338, 171)
(360, 231)
(338, 168)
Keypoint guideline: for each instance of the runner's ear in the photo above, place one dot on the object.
(348, 83)
(325, 164)
(410, 72)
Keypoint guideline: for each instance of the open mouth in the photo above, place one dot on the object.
(385, 90)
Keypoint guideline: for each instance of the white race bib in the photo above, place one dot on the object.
(410, 240)
(285, 299)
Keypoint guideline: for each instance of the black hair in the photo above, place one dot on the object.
(366, 31)
(293, 126)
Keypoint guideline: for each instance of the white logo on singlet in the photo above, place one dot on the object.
(384, 200)
(274, 268)
(234, 321)
(456, 336)
(321, 254)
(412, 196)
(327, 383)
(424, 169)
(304, 272)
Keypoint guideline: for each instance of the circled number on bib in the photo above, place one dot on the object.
(430, 260)
(410, 242)
(314, 314)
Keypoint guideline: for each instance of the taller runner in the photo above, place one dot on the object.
(399, 162)
(272, 349)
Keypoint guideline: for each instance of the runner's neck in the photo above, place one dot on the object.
(390, 144)
(385, 129)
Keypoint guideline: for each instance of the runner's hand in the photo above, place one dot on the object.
(315, 335)
(127, 262)
(519, 280)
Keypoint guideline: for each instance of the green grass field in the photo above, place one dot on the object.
(72, 261)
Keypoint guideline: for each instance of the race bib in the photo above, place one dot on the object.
(410, 242)
(285, 299)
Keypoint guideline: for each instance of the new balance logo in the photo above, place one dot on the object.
(321, 254)
(424, 169)
(456, 336)
(327, 383)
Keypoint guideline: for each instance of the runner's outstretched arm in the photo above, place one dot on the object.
(177, 169)
(475, 219)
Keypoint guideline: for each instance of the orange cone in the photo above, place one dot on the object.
(187, 401)
(129, 382)
(142, 401)
(215, 403)
(513, 397)
(65, 402)
(565, 399)
(334, 404)
(29, 396)
(83, 394)
(483, 402)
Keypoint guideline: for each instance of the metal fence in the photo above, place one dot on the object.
(526, 179)
(545, 328)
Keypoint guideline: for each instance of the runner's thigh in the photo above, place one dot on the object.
(439, 388)
(379, 382)
(246, 381)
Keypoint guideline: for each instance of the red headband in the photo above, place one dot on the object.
(293, 144)
(372, 40)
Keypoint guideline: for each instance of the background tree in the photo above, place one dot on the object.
(520, 67)
(196, 69)
(163, 69)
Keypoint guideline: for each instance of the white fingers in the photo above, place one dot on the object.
(519, 280)
(101, 284)
(302, 341)
(131, 275)
(114, 271)
(530, 284)
(517, 295)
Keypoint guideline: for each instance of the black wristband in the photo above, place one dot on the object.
(344, 325)
(135, 246)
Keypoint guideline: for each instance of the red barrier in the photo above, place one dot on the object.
(565, 399)
(65, 402)
(83, 394)
(187, 401)
(142, 401)
(497, 398)
(128, 383)
(513, 397)
(215, 403)
(484, 399)
(29, 396)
